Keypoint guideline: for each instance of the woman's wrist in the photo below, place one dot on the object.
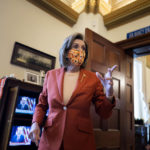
(35, 124)
(110, 97)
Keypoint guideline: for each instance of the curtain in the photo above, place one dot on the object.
(141, 110)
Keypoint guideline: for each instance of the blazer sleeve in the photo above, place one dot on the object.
(42, 106)
(103, 106)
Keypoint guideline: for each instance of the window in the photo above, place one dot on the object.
(140, 104)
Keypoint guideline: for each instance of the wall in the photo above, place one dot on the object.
(23, 22)
(95, 23)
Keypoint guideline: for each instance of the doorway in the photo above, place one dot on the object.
(139, 49)
(141, 101)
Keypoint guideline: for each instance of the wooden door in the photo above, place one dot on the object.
(117, 132)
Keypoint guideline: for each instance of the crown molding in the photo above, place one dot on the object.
(58, 9)
(123, 15)
(138, 41)
(127, 13)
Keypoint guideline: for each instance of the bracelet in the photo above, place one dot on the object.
(109, 97)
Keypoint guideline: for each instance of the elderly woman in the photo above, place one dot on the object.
(68, 93)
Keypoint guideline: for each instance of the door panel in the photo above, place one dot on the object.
(114, 132)
(98, 53)
(129, 102)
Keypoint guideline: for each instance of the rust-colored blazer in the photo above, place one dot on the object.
(71, 123)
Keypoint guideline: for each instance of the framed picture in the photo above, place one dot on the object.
(32, 77)
(31, 58)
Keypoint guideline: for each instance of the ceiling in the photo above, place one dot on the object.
(114, 12)
(97, 6)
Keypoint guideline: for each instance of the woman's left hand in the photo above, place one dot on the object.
(107, 80)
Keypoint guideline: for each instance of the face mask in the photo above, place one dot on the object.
(76, 57)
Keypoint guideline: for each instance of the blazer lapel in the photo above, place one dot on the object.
(60, 79)
(80, 84)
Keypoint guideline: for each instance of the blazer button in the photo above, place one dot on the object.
(65, 108)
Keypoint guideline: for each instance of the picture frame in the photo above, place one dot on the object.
(31, 58)
(32, 78)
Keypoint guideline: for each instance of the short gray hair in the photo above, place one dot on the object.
(66, 46)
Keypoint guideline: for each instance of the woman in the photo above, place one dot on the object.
(69, 92)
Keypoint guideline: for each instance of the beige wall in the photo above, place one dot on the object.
(95, 23)
(23, 22)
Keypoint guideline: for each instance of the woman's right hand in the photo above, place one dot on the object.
(34, 134)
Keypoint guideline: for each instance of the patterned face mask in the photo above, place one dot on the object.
(76, 57)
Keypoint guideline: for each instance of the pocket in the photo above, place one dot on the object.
(85, 126)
